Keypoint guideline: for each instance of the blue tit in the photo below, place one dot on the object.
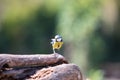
(57, 42)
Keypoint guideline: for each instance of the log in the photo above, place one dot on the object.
(60, 72)
(10, 60)
(37, 67)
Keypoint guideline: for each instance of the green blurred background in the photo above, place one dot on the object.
(90, 30)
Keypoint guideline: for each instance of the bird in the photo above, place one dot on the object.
(56, 42)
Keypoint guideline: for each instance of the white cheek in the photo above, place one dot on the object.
(59, 39)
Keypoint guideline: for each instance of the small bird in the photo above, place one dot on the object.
(57, 42)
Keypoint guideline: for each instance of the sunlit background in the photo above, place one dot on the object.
(90, 30)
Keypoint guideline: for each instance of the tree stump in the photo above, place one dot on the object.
(37, 67)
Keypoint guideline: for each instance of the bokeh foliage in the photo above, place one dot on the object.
(26, 26)
(77, 23)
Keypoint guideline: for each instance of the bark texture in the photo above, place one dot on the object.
(37, 67)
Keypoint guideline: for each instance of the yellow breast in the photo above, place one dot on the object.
(57, 45)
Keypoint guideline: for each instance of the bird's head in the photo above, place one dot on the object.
(58, 38)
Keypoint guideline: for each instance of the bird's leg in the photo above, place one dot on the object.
(54, 51)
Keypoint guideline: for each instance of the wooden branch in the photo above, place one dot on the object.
(37, 67)
(10, 60)
(59, 72)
